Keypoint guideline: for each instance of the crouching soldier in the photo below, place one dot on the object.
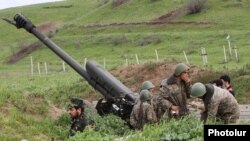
(143, 111)
(219, 103)
(78, 119)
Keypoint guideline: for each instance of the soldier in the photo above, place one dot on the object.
(79, 120)
(174, 92)
(142, 112)
(226, 83)
(219, 103)
(148, 85)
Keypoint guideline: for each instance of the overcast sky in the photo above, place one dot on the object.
(14, 3)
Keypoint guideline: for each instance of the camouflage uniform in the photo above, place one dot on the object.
(173, 94)
(142, 113)
(78, 124)
(223, 106)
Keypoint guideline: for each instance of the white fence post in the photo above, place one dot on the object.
(46, 69)
(204, 56)
(236, 53)
(85, 61)
(126, 62)
(137, 60)
(38, 68)
(63, 65)
(157, 57)
(185, 56)
(229, 47)
(31, 66)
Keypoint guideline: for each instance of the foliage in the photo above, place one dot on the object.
(188, 128)
(106, 128)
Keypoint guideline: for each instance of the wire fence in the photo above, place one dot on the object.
(43, 68)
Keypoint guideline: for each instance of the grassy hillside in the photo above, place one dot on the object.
(33, 108)
(186, 33)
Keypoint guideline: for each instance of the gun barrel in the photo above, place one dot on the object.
(108, 81)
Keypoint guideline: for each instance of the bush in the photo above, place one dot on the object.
(195, 6)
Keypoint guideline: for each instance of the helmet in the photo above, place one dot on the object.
(147, 85)
(145, 95)
(180, 68)
(198, 89)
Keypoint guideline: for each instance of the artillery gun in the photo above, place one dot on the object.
(119, 99)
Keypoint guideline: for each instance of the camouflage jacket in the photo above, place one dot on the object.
(172, 93)
(78, 124)
(223, 106)
(141, 114)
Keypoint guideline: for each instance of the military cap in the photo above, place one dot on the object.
(76, 102)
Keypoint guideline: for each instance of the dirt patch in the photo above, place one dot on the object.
(54, 112)
(23, 53)
(171, 15)
(49, 28)
(6, 108)
(164, 19)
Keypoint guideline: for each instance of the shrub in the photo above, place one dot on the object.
(195, 6)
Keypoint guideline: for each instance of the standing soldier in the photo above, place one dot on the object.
(142, 112)
(79, 120)
(219, 103)
(174, 92)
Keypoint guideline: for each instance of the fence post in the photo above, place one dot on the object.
(85, 61)
(157, 57)
(63, 65)
(137, 60)
(185, 57)
(229, 46)
(225, 55)
(31, 66)
(46, 69)
(38, 68)
(204, 56)
(126, 62)
(236, 53)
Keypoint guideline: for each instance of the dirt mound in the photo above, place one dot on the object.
(133, 75)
